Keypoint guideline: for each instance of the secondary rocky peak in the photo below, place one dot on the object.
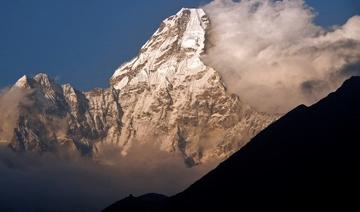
(45, 81)
(41, 76)
(23, 82)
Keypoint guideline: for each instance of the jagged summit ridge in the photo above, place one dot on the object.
(63, 116)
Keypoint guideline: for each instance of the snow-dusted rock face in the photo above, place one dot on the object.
(175, 47)
(58, 116)
(166, 95)
(169, 93)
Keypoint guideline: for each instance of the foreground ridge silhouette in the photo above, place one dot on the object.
(308, 159)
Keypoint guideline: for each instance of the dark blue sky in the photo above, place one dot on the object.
(84, 41)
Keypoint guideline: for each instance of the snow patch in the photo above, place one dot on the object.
(123, 82)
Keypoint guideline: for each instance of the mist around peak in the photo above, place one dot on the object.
(273, 55)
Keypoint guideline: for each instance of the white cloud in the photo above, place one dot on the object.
(274, 57)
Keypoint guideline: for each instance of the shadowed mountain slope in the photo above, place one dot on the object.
(308, 159)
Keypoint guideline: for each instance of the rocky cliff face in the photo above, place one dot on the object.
(59, 115)
(166, 95)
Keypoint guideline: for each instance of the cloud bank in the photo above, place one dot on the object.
(274, 57)
(70, 182)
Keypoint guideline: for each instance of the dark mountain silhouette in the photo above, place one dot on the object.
(308, 159)
(147, 202)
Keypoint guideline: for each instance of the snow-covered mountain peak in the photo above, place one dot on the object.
(176, 46)
(194, 35)
(170, 96)
(166, 96)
